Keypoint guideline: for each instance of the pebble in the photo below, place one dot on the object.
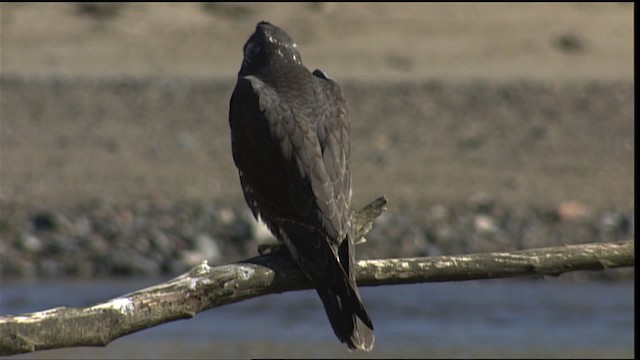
(30, 243)
(572, 210)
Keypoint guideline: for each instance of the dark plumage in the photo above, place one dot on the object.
(290, 141)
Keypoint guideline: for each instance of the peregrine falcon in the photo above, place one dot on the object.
(290, 142)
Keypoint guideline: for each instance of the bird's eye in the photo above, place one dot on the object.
(250, 50)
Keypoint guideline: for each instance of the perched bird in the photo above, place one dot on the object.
(290, 141)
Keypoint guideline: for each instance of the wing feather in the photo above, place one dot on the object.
(318, 155)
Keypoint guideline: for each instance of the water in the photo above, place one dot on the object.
(489, 318)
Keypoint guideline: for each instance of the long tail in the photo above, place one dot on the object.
(334, 278)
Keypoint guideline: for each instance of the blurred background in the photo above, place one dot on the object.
(489, 127)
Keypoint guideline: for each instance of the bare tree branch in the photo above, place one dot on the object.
(205, 287)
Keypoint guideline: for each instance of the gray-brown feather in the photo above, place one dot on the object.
(312, 133)
(290, 142)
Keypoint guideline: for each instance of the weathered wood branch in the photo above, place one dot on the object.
(205, 287)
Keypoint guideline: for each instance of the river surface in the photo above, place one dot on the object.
(490, 318)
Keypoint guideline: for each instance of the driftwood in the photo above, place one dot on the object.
(205, 287)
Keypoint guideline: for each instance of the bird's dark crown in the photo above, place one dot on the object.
(270, 44)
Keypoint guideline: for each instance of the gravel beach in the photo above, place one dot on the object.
(115, 154)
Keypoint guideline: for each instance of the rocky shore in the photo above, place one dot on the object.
(133, 176)
(157, 237)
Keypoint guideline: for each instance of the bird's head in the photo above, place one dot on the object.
(270, 44)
